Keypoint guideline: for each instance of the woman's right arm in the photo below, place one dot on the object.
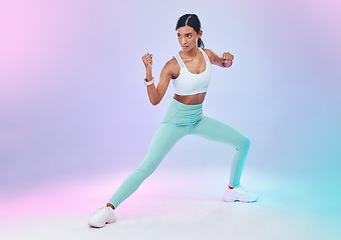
(156, 93)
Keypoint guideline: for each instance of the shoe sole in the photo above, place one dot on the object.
(95, 226)
(245, 201)
(240, 201)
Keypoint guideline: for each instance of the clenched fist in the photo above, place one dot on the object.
(227, 57)
(148, 60)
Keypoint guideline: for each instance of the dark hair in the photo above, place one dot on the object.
(193, 21)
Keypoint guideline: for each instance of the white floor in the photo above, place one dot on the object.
(188, 207)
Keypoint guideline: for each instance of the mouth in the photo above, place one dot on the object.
(184, 46)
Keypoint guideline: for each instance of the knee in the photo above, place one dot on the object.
(145, 170)
(244, 144)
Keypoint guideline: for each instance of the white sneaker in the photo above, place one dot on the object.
(102, 216)
(239, 194)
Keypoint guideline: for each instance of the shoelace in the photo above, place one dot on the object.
(99, 209)
(242, 190)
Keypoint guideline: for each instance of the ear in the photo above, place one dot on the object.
(200, 33)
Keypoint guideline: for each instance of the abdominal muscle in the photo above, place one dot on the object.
(190, 99)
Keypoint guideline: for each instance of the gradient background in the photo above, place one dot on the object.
(73, 105)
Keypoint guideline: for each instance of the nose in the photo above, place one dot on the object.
(183, 41)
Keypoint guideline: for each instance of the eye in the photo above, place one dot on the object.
(189, 35)
(179, 35)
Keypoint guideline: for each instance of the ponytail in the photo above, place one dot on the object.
(201, 43)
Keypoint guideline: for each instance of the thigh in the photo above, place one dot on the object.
(217, 130)
(163, 140)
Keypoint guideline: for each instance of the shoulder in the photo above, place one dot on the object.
(171, 64)
(210, 54)
(171, 67)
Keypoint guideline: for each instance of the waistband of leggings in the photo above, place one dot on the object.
(186, 106)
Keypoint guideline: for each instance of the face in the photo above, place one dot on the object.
(188, 37)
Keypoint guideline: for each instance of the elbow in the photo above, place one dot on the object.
(154, 102)
(155, 99)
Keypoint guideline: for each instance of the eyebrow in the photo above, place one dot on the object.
(186, 33)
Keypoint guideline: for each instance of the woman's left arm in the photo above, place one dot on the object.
(224, 60)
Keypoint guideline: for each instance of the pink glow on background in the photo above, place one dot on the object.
(35, 35)
(77, 198)
(73, 106)
(163, 200)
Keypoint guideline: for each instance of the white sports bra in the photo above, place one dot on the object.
(188, 83)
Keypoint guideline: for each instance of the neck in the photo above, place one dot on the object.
(192, 53)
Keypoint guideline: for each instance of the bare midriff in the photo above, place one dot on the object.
(190, 99)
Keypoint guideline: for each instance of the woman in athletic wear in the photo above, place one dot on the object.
(190, 70)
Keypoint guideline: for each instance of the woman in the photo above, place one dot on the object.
(190, 70)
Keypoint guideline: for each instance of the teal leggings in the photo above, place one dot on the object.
(181, 120)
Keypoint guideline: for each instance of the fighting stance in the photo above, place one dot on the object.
(190, 70)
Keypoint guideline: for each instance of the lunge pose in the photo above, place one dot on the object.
(190, 71)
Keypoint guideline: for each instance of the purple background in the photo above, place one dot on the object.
(73, 105)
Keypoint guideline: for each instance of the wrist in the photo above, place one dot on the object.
(150, 82)
(227, 63)
(149, 75)
(148, 70)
